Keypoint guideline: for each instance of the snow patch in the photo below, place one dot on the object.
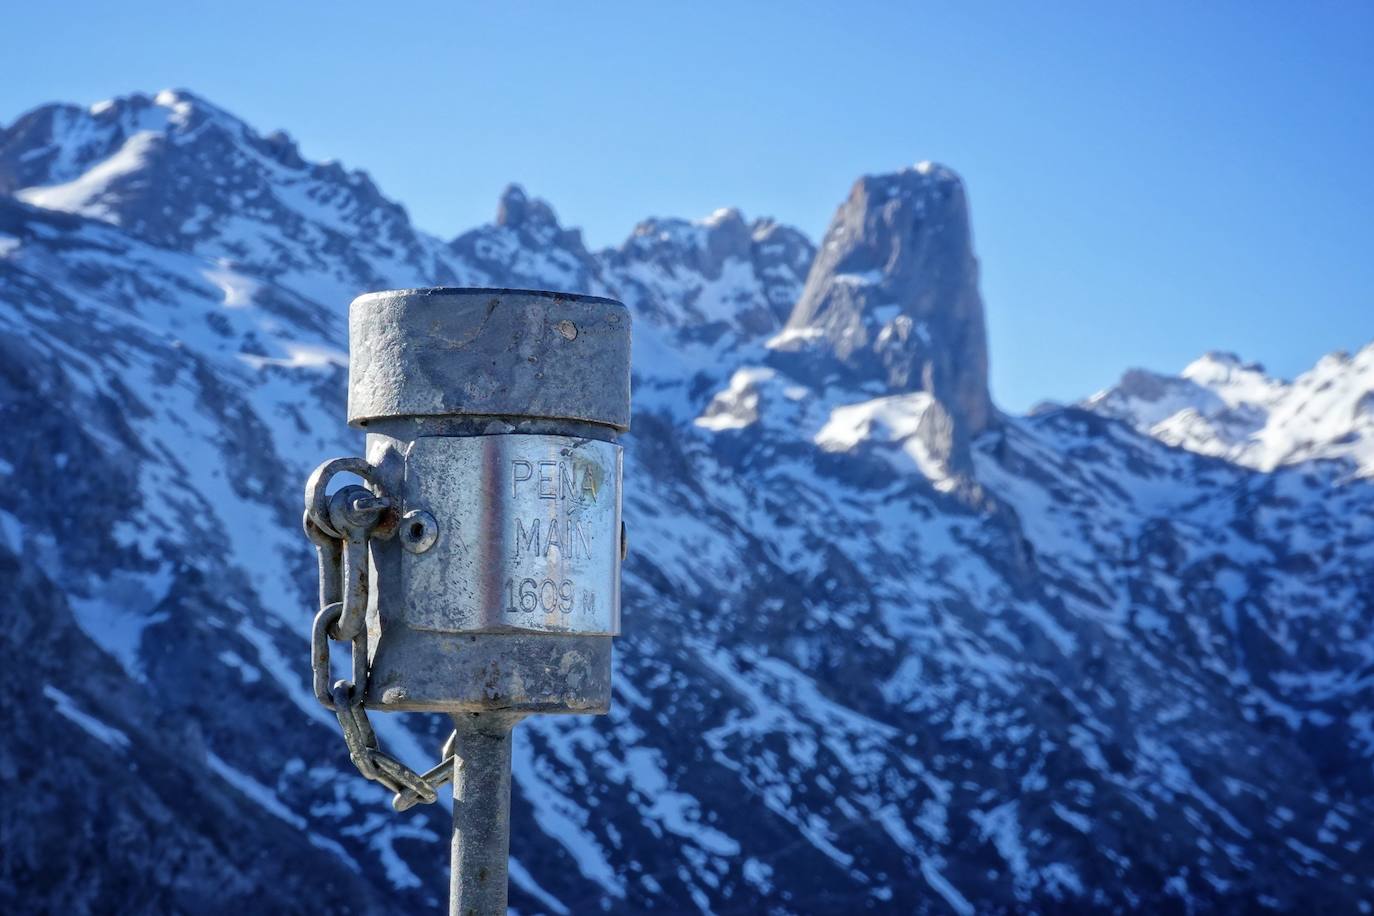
(522, 877)
(86, 193)
(254, 790)
(67, 708)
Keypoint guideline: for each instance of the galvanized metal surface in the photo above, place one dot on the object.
(478, 572)
(488, 352)
(480, 849)
(528, 535)
(428, 606)
(424, 671)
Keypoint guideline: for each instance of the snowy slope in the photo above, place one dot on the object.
(1221, 406)
(885, 649)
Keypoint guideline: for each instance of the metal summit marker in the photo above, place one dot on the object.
(476, 571)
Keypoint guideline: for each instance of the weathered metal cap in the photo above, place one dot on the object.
(488, 352)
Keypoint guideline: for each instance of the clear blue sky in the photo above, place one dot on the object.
(1148, 182)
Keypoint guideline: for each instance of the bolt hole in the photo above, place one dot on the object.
(418, 531)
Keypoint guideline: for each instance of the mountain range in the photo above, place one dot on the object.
(886, 648)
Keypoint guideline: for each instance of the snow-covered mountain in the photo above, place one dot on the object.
(1220, 405)
(885, 648)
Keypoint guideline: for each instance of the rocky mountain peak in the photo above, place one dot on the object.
(56, 144)
(177, 171)
(707, 276)
(1222, 405)
(1219, 367)
(527, 242)
(727, 234)
(704, 246)
(517, 210)
(892, 296)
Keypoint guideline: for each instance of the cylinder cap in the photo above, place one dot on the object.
(491, 352)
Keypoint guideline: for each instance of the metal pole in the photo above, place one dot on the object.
(481, 813)
(478, 572)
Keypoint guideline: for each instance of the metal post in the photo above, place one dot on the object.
(481, 813)
(477, 573)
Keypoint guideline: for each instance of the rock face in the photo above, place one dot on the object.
(884, 649)
(893, 293)
(718, 275)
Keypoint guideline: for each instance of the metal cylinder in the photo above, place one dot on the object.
(488, 353)
(493, 418)
(478, 571)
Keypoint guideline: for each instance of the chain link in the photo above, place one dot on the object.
(340, 527)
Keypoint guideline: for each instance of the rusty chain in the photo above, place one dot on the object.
(340, 526)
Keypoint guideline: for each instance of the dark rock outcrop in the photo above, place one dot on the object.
(893, 293)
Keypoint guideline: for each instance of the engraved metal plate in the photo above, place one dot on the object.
(528, 534)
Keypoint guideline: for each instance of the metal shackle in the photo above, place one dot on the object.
(492, 419)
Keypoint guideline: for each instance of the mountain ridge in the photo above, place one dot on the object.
(1221, 405)
(884, 647)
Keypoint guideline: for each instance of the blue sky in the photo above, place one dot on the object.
(1147, 183)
